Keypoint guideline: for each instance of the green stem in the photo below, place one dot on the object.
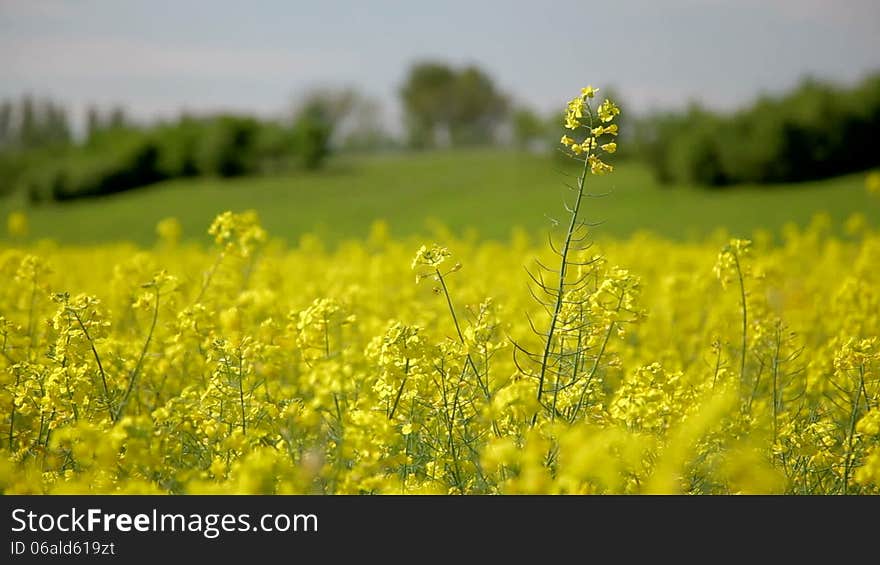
(717, 367)
(776, 387)
(452, 446)
(209, 277)
(400, 390)
(30, 330)
(134, 373)
(470, 360)
(241, 394)
(484, 387)
(12, 416)
(745, 317)
(560, 291)
(847, 461)
(595, 366)
(98, 360)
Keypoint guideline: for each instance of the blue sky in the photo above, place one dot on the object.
(158, 57)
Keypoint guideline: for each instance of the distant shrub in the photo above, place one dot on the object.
(227, 148)
(116, 159)
(122, 160)
(313, 136)
(178, 146)
(277, 147)
(12, 165)
(816, 131)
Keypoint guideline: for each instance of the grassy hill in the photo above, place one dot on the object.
(488, 191)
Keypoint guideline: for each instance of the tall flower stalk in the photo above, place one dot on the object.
(591, 136)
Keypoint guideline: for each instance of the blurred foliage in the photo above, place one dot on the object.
(117, 156)
(529, 129)
(816, 131)
(228, 148)
(444, 106)
(30, 123)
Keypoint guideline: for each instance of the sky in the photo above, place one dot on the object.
(160, 57)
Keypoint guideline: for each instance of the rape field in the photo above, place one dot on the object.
(395, 365)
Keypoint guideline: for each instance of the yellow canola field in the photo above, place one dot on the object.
(383, 366)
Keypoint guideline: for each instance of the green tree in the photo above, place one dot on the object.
(817, 130)
(6, 131)
(28, 133)
(363, 129)
(427, 97)
(118, 118)
(353, 119)
(478, 108)
(313, 127)
(56, 126)
(528, 127)
(445, 106)
(93, 121)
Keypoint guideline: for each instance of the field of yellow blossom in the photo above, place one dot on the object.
(400, 366)
(255, 368)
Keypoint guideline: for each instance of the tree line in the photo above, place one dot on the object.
(816, 130)
(32, 122)
(39, 156)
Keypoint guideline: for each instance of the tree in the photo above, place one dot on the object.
(427, 97)
(331, 105)
(444, 106)
(528, 127)
(227, 148)
(56, 124)
(93, 121)
(313, 125)
(118, 118)
(6, 130)
(33, 123)
(363, 128)
(353, 120)
(478, 108)
(28, 129)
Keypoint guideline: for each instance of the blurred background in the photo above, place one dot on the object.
(325, 117)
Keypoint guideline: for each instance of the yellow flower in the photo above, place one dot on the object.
(872, 182)
(588, 144)
(17, 224)
(574, 113)
(609, 147)
(589, 91)
(576, 107)
(169, 230)
(608, 110)
(238, 232)
(599, 167)
(431, 257)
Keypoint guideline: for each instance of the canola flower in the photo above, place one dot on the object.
(17, 225)
(632, 366)
(872, 182)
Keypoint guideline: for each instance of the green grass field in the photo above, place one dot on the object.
(488, 191)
